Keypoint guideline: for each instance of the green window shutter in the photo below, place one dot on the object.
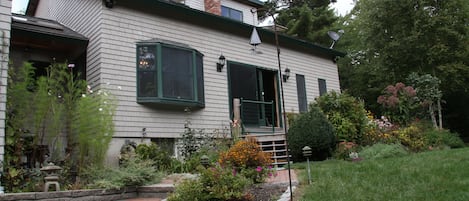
(301, 91)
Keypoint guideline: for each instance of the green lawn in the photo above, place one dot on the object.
(434, 175)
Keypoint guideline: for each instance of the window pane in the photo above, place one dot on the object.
(231, 13)
(178, 79)
(146, 57)
(301, 91)
(147, 84)
(200, 78)
(225, 11)
(236, 15)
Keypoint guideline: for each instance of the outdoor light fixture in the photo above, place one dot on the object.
(286, 75)
(221, 63)
(109, 3)
(254, 41)
(307, 152)
(204, 161)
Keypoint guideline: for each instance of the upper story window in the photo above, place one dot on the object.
(169, 73)
(232, 13)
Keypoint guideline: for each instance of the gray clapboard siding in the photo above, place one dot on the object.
(196, 4)
(83, 16)
(5, 27)
(111, 65)
(119, 68)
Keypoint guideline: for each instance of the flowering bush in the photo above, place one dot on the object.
(413, 137)
(248, 158)
(399, 102)
(379, 131)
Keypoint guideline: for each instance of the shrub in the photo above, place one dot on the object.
(381, 150)
(379, 131)
(347, 115)
(438, 138)
(161, 159)
(400, 103)
(412, 136)
(245, 153)
(133, 172)
(246, 157)
(214, 183)
(314, 130)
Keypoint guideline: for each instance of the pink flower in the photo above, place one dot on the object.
(259, 169)
(234, 172)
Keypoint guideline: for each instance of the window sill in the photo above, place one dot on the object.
(174, 103)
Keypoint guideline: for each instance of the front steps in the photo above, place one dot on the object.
(276, 145)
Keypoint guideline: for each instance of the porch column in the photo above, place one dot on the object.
(236, 126)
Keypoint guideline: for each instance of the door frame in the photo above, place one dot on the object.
(278, 103)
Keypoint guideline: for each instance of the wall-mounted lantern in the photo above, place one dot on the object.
(286, 75)
(221, 63)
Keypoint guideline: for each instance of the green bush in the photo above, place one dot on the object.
(214, 183)
(161, 159)
(438, 138)
(314, 130)
(346, 113)
(380, 150)
(134, 172)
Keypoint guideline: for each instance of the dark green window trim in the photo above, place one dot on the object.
(175, 79)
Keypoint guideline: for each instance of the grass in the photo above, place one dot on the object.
(434, 175)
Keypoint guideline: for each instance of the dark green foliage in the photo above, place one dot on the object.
(214, 183)
(314, 130)
(48, 113)
(161, 159)
(133, 172)
(308, 20)
(437, 138)
(386, 40)
(347, 115)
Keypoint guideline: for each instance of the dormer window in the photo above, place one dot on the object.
(232, 13)
(169, 73)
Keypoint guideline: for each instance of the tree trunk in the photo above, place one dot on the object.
(440, 118)
(432, 114)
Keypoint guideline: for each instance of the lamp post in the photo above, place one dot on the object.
(307, 153)
(254, 41)
(205, 161)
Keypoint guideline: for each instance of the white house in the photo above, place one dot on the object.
(159, 58)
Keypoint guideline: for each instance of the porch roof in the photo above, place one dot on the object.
(32, 32)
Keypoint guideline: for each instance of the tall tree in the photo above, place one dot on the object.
(305, 19)
(388, 39)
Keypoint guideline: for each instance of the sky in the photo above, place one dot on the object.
(342, 7)
(19, 5)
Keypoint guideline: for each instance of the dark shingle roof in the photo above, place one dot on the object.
(44, 26)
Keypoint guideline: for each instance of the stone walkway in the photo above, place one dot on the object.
(280, 179)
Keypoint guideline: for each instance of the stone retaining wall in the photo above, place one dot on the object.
(74, 195)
